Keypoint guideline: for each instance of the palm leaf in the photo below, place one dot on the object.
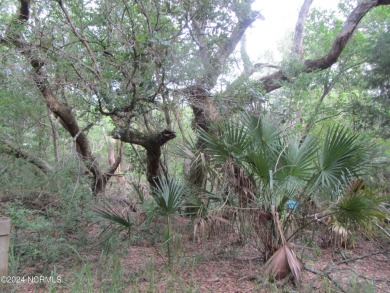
(357, 209)
(168, 195)
(187, 150)
(116, 217)
(297, 160)
(232, 143)
(341, 153)
(263, 133)
(259, 165)
(278, 266)
(283, 261)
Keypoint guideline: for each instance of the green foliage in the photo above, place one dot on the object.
(123, 220)
(269, 154)
(342, 152)
(231, 146)
(32, 237)
(149, 50)
(358, 210)
(168, 195)
(109, 273)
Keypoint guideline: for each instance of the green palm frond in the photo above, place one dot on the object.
(108, 213)
(339, 155)
(214, 146)
(168, 195)
(357, 209)
(200, 166)
(259, 165)
(187, 150)
(264, 134)
(296, 161)
(232, 143)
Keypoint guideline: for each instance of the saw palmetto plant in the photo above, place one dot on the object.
(357, 210)
(168, 195)
(123, 220)
(275, 166)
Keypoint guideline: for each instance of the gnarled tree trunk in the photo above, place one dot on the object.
(152, 143)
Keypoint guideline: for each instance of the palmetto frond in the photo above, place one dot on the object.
(200, 165)
(259, 164)
(357, 209)
(263, 133)
(122, 219)
(284, 260)
(296, 160)
(168, 195)
(187, 151)
(339, 155)
(232, 143)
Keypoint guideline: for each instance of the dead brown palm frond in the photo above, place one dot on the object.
(284, 260)
(278, 266)
(210, 226)
(240, 183)
(294, 264)
(339, 234)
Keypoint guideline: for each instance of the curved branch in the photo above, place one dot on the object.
(276, 79)
(82, 40)
(16, 152)
(229, 46)
(61, 110)
(145, 140)
(152, 144)
(246, 17)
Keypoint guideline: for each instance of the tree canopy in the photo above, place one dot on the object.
(131, 64)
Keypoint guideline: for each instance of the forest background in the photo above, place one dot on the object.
(137, 114)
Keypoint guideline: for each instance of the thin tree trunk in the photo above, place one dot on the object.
(112, 153)
(166, 111)
(179, 123)
(54, 129)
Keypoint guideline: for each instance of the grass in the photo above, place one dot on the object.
(112, 262)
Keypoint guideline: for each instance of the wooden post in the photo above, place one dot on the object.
(5, 228)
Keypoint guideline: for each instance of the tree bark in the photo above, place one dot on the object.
(152, 144)
(54, 130)
(60, 110)
(198, 94)
(277, 79)
(299, 29)
(10, 149)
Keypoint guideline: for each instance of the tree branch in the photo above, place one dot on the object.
(214, 66)
(276, 79)
(61, 110)
(82, 40)
(229, 46)
(297, 49)
(146, 140)
(10, 149)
